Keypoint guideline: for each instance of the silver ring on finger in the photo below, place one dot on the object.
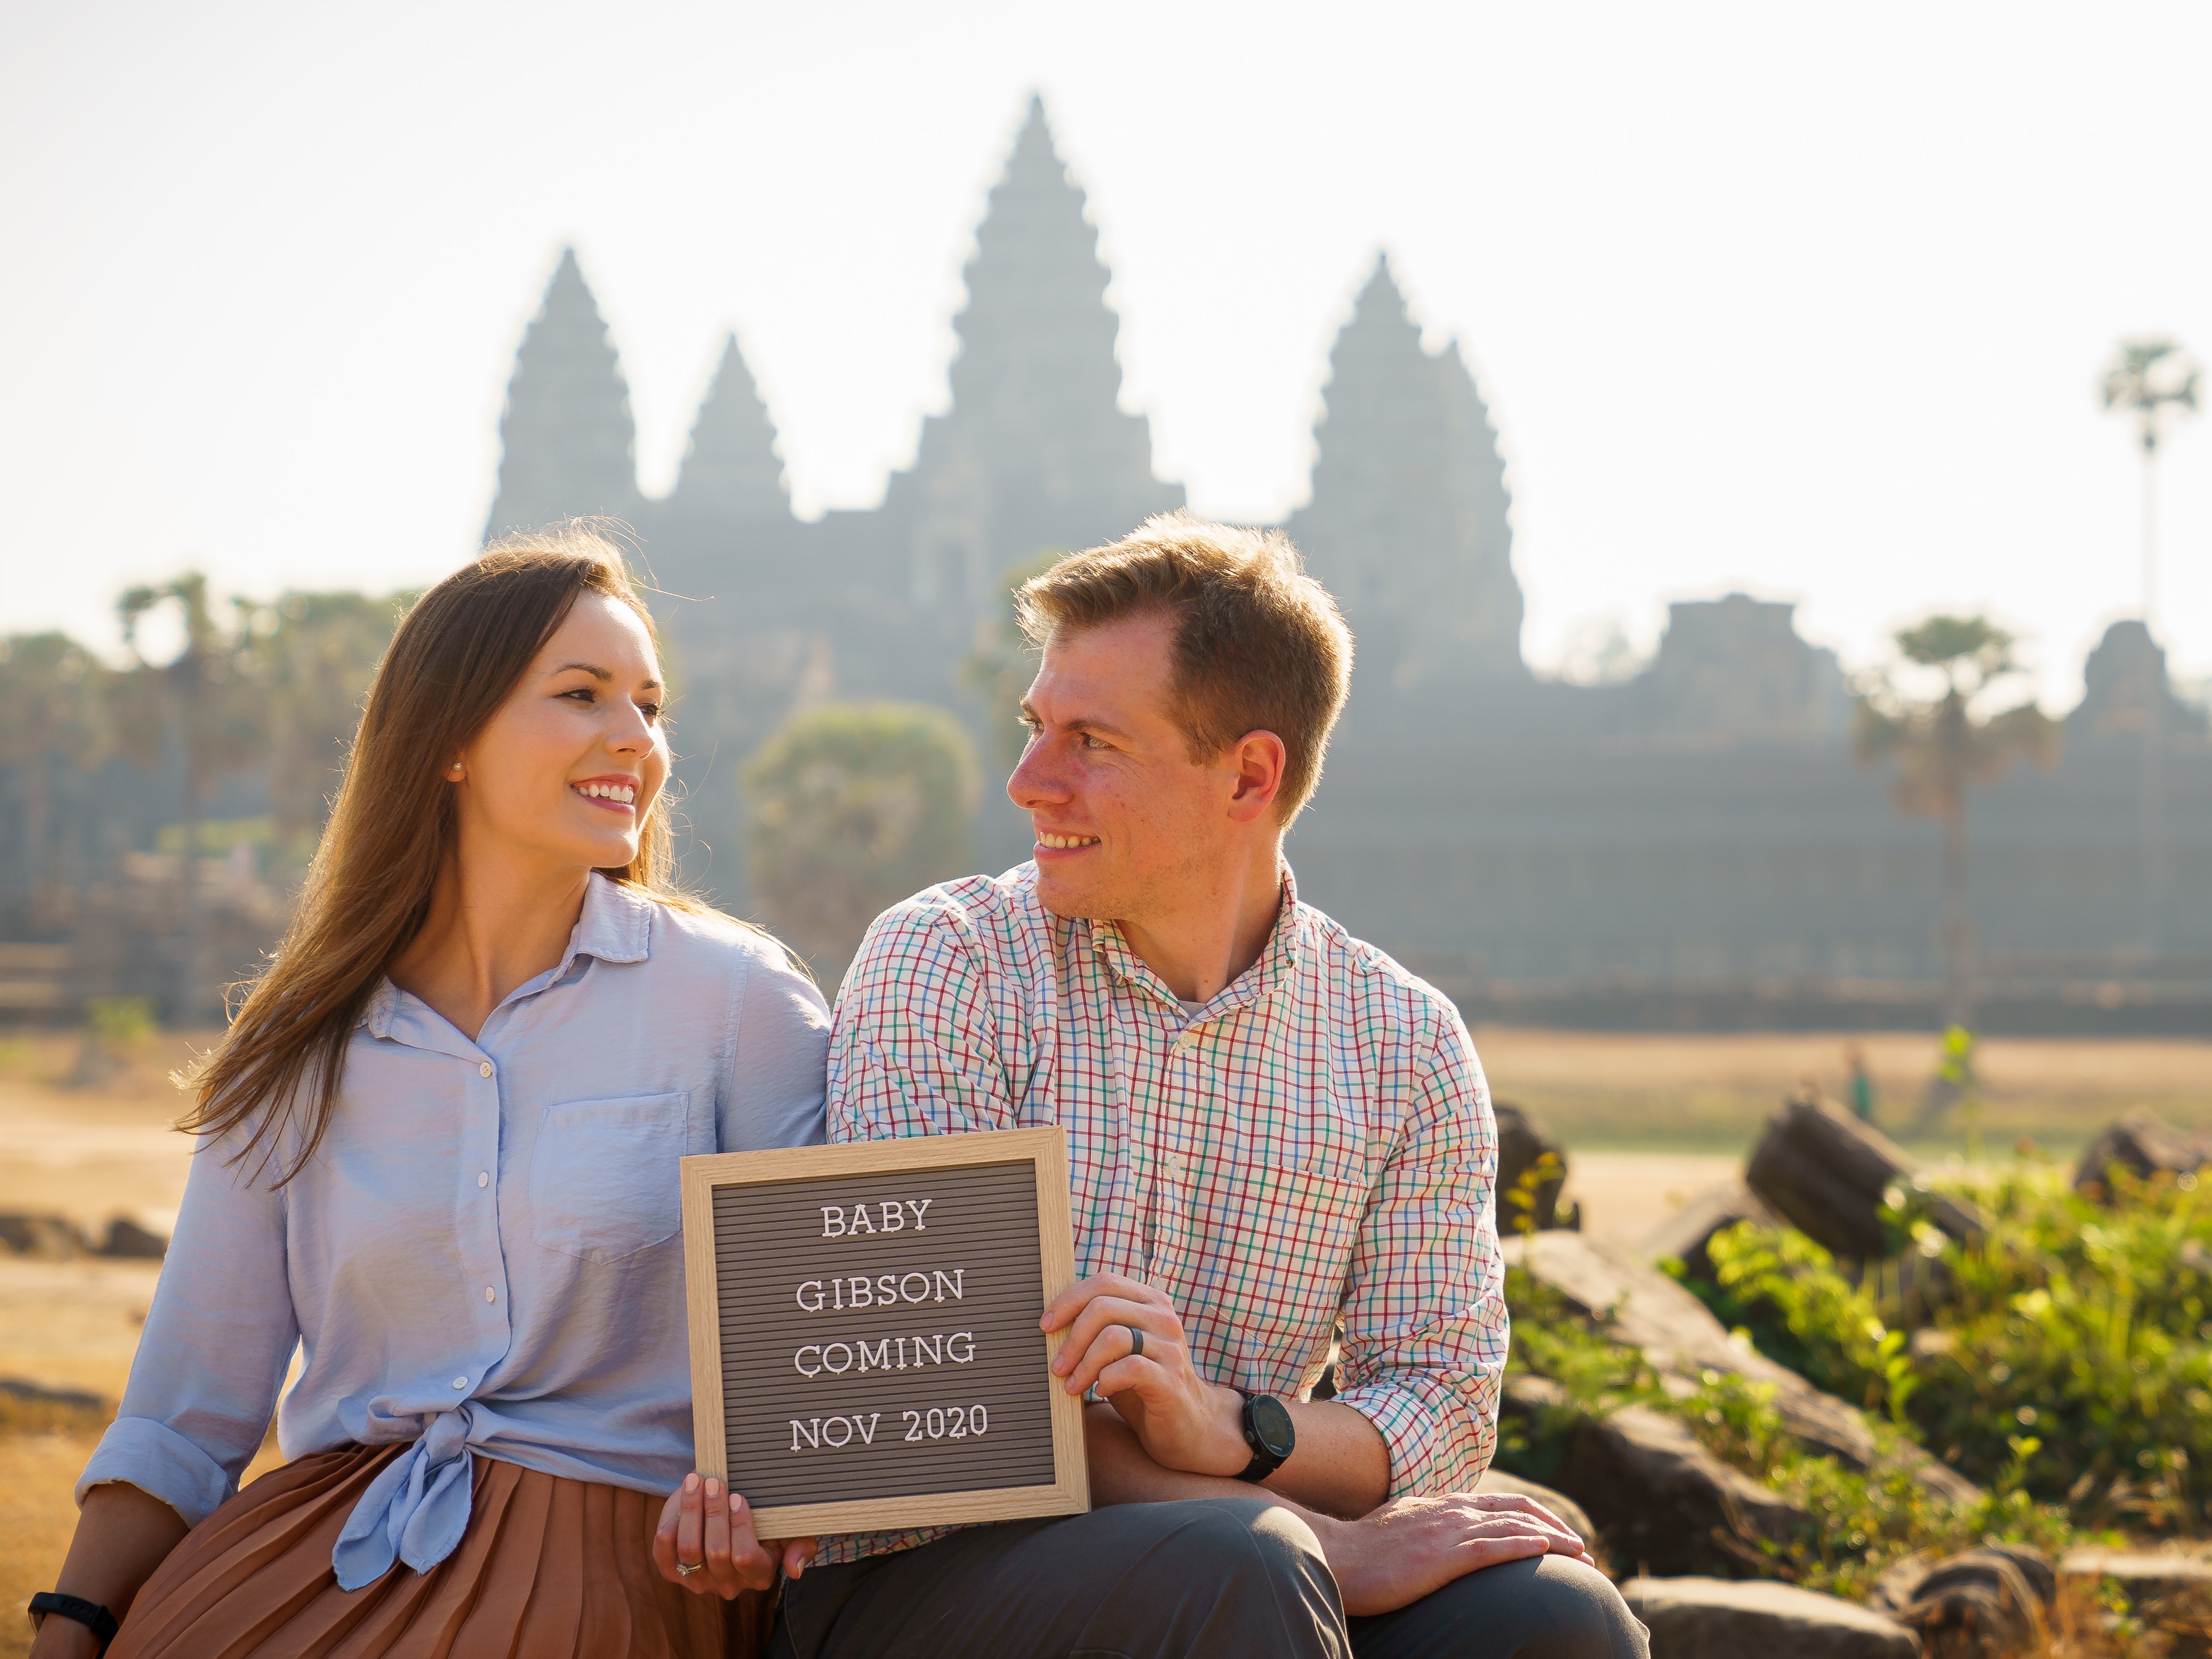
(685, 1568)
(1136, 1341)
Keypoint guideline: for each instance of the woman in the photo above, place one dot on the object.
(438, 1150)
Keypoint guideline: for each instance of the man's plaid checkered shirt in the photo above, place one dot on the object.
(1315, 1143)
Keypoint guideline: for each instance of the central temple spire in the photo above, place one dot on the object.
(569, 445)
(1036, 451)
(1408, 525)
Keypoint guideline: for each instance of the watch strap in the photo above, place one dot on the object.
(92, 1616)
(1264, 1462)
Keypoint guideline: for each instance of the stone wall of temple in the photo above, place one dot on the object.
(1701, 824)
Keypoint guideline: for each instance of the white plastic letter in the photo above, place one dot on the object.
(799, 1360)
(820, 1296)
(833, 1221)
(917, 1207)
(894, 1218)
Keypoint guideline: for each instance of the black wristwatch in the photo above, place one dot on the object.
(92, 1616)
(1269, 1432)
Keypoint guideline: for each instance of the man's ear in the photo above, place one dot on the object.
(1259, 758)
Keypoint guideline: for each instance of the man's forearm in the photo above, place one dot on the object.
(1342, 1467)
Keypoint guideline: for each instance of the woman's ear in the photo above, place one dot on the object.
(457, 771)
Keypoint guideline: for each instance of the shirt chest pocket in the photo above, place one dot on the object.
(604, 1177)
(1274, 1265)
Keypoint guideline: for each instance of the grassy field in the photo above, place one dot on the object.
(1688, 1093)
(1649, 1120)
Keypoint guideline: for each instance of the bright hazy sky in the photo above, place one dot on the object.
(1810, 301)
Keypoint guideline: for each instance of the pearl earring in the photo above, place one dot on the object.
(454, 770)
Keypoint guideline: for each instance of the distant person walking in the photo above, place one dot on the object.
(438, 1154)
(1860, 1085)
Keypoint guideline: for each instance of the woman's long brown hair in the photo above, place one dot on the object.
(456, 655)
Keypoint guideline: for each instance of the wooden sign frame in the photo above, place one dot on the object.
(1045, 1151)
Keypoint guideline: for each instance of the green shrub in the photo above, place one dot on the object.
(2068, 1350)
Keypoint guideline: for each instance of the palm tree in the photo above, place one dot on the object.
(52, 689)
(2147, 377)
(1941, 748)
(207, 696)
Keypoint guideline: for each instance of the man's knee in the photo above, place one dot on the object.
(1244, 1535)
(1586, 1612)
(1238, 1575)
(1547, 1607)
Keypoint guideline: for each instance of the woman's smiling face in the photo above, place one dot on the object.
(567, 769)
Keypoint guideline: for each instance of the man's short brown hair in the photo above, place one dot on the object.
(1259, 644)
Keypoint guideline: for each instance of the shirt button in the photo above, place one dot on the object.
(1174, 1164)
(483, 1178)
(484, 1070)
(490, 1295)
(460, 1381)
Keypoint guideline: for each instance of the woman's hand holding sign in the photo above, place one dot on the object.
(1126, 1340)
(705, 1542)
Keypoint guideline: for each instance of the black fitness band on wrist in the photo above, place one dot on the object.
(92, 1616)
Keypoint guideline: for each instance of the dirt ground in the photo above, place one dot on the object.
(1648, 1122)
(1650, 1091)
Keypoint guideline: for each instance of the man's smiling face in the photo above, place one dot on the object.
(1126, 823)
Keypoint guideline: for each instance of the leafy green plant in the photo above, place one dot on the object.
(2069, 1356)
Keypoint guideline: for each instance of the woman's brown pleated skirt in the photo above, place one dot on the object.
(549, 1569)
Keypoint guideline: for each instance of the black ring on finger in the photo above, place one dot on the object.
(1136, 1341)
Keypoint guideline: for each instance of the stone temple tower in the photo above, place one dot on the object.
(1407, 527)
(1036, 451)
(731, 473)
(569, 445)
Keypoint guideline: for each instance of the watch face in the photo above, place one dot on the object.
(1271, 1422)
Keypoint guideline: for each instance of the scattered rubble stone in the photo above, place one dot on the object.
(127, 1240)
(1660, 1500)
(2146, 1574)
(2143, 1145)
(1985, 1604)
(1709, 1619)
(46, 1237)
(1523, 1140)
(1496, 1481)
(1644, 1308)
(33, 1408)
(1684, 1233)
(1826, 1172)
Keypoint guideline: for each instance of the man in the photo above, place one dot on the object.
(1273, 1127)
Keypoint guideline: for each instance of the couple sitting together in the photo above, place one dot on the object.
(438, 1148)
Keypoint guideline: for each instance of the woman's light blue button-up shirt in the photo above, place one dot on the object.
(485, 1254)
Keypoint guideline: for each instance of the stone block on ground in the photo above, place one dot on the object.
(1987, 1603)
(1710, 1618)
(1684, 1233)
(1825, 1172)
(1645, 1309)
(2142, 1145)
(1496, 1481)
(2165, 1590)
(46, 1237)
(130, 1241)
(1663, 1503)
(1522, 1141)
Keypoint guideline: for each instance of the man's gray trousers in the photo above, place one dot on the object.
(1219, 1577)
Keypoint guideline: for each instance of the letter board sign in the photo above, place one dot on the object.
(864, 1349)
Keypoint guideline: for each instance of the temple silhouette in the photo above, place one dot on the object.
(1692, 844)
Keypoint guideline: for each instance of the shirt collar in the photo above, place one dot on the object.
(616, 926)
(1277, 961)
